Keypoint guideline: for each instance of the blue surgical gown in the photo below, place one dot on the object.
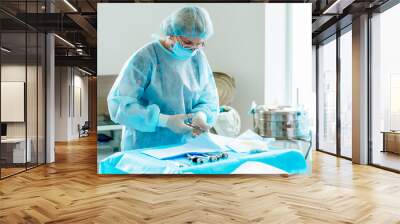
(153, 81)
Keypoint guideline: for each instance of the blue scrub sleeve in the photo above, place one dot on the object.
(124, 98)
(208, 101)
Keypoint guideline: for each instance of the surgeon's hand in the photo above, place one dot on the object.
(196, 132)
(176, 123)
(200, 120)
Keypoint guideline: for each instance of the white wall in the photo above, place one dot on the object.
(80, 82)
(65, 119)
(104, 84)
(303, 85)
(303, 92)
(288, 55)
(237, 48)
(12, 73)
(61, 103)
(276, 53)
(33, 126)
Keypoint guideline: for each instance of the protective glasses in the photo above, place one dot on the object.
(186, 43)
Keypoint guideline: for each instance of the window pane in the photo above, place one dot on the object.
(14, 153)
(22, 87)
(346, 94)
(327, 97)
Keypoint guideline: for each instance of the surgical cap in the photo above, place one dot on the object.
(190, 22)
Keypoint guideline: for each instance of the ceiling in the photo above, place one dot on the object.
(76, 22)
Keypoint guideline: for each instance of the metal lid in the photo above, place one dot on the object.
(226, 87)
(275, 114)
(262, 109)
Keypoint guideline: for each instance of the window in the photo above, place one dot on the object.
(23, 77)
(385, 89)
(327, 97)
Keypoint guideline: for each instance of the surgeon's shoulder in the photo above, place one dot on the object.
(144, 54)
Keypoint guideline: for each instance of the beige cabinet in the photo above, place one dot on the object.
(391, 142)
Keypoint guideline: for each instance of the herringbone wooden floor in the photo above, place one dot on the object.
(70, 191)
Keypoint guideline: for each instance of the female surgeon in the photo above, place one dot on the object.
(166, 83)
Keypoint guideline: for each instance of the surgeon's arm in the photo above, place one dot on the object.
(123, 100)
(208, 103)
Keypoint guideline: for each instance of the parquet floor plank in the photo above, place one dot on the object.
(70, 191)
